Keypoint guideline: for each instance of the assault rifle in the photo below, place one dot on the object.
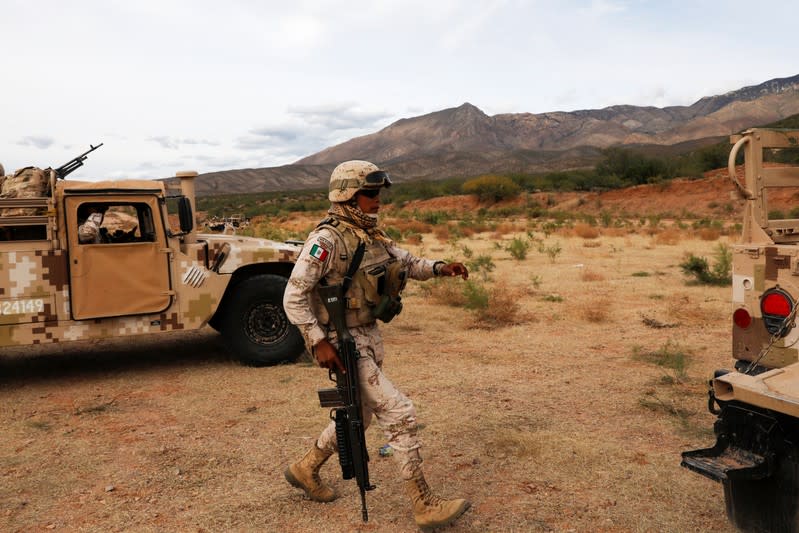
(345, 399)
(75, 163)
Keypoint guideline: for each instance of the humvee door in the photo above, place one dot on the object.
(128, 272)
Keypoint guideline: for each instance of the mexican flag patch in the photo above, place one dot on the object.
(318, 252)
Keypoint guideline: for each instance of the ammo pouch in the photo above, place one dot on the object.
(389, 281)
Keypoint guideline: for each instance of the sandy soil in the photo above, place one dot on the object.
(553, 424)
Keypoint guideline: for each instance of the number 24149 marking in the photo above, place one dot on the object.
(21, 307)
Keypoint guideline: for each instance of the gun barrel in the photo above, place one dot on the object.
(75, 163)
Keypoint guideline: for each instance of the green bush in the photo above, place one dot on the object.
(482, 265)
(492, 188)
(476, 294)
(700, 270)
(518, 248)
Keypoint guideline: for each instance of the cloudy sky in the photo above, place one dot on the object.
(205, 85)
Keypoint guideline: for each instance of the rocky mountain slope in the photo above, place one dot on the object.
(464, 141)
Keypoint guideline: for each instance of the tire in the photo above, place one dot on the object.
(254, 324)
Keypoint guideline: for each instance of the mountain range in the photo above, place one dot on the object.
(464, 141)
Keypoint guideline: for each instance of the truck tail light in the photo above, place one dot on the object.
(742, 318)
(775, 306)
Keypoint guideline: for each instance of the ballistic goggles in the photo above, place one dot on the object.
(376, 179)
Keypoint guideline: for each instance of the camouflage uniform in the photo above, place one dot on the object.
(89, 231)
(326, 255)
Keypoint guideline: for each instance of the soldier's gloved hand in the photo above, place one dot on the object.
(455, 269)
(327, 356)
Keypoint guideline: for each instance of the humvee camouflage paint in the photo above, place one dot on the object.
(756, 455)
(144, 277)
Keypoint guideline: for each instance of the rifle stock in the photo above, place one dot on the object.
(345, 399)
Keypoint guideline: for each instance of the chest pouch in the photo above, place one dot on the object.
(390, 281)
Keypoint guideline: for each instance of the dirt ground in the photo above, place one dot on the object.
(556, 423)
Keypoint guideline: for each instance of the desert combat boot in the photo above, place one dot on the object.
(429, 510)
(304, 474)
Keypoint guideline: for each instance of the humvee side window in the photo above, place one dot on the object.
(23, 233)
(23, 219)
(100, 222)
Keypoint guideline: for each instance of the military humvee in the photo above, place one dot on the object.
(756, 455)
(145, 276)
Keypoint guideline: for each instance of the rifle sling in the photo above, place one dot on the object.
(356, 263)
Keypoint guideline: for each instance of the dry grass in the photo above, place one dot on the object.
(548, 425)
(586, 231)
(506, 228)
(591, 275)
(503, 308)
(709, 234)
(410, 226)
(669, 236)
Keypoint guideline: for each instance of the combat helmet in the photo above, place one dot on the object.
(351, 176)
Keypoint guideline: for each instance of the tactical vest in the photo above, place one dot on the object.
(376, 286)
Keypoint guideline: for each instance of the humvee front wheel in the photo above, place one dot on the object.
(255, 326)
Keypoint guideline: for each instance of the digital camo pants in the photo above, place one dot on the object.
(394, 411)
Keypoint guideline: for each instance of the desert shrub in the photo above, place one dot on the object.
(482, 265)
(492, 188)
(518, 248)
(586, 231)
(549, 228)
(394, 233)
(476, 295)
(700, 270)
(709, 234)
(551, 251)
(498, 305)
(597, 311)
(445, 292)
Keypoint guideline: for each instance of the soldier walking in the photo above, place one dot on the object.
(373, 295)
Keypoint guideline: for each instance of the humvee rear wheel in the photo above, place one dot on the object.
(256, 327)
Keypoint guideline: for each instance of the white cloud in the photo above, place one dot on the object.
(41, 142)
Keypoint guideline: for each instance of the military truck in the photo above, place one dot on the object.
(151, 272)
(756, 454)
